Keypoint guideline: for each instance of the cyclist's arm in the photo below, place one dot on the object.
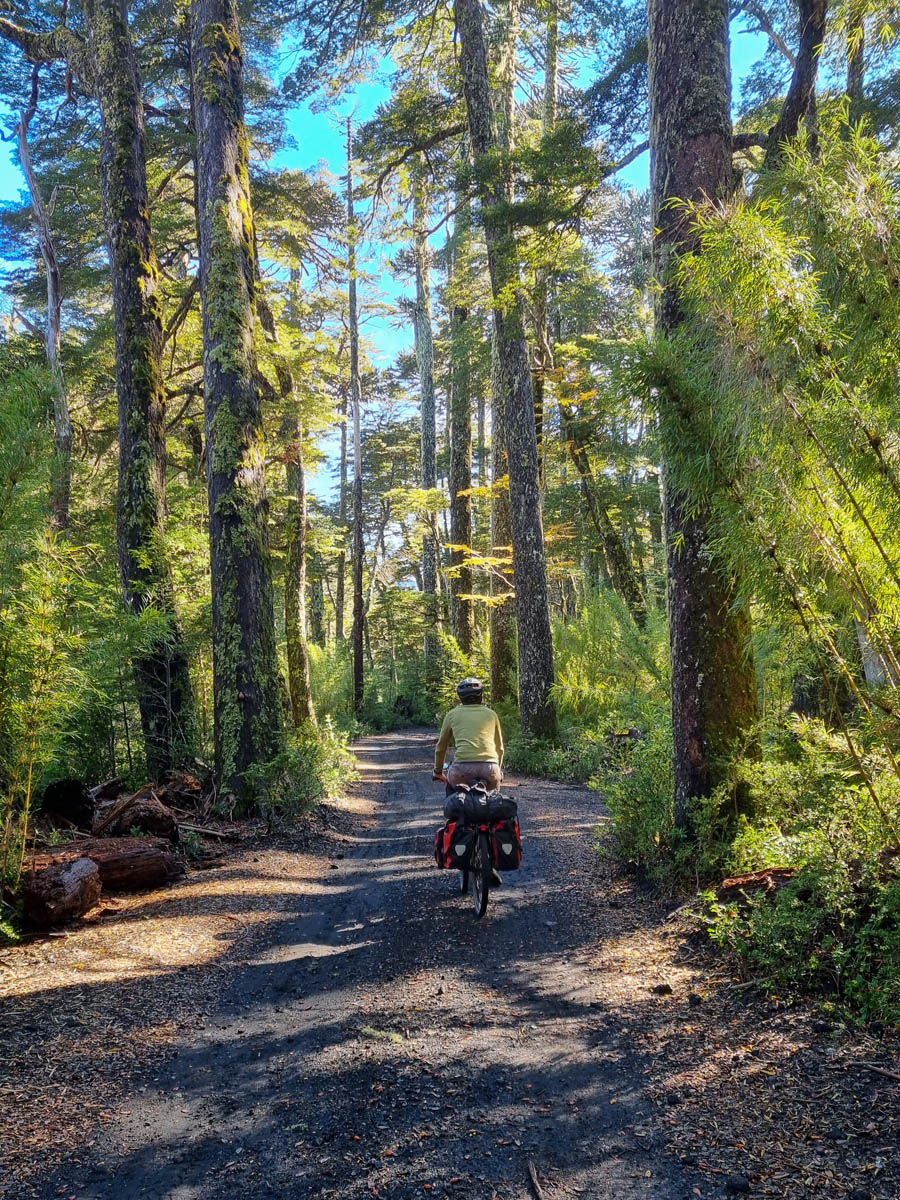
(443, 745)
(498, 740)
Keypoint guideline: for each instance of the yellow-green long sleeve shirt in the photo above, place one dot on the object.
(474, 730)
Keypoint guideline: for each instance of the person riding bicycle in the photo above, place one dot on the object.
(474, 731)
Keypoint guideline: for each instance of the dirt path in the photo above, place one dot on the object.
(382, 1042)
(363, 1035)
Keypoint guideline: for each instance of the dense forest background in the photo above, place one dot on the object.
(641, 473)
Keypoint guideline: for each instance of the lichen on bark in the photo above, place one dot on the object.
(246, 682)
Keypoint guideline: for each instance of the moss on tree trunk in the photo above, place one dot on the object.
(161, 672)
(247, 694)
(535, 646)
(713, 682)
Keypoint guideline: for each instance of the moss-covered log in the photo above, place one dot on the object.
(247, 694)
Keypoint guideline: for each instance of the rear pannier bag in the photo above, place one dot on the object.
(462, 842)
(453, 844)
(506, 845)
(442, 844)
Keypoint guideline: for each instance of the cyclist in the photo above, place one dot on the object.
(474, 730)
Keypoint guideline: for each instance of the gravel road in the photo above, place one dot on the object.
(381, 1041)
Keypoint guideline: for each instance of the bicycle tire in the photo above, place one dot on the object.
(481, 874)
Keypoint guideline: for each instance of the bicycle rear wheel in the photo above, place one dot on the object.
(481, 874)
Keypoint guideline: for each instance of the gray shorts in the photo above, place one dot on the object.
(472, 772)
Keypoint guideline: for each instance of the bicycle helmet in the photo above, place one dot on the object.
(470, 689)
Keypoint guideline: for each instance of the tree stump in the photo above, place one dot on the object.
(60, 892)
(147, 813)
(69, 800)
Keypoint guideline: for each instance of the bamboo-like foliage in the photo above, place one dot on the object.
(791, 367)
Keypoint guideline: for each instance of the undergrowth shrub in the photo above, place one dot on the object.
(314, 766)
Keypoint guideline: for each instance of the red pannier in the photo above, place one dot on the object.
(506, 844)
(453, 844)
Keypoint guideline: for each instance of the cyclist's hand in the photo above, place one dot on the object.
(439, 778)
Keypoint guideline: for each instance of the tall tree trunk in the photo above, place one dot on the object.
(532, 615)
(246, 682)
(61, 482)
(460, 445)
(502, 612)
(424, 341)
(295, 590)
(161, 674)
(543, 353)
(339, 600)
(316, 599)
(359, 615)
(713, 685)
(299, 689)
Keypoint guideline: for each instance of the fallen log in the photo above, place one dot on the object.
(109, 789)
(125, 864)
(768, 881)
(61, 892)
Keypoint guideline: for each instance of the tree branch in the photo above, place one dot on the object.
(744, 141)
(626, 160)
(59, 45)
(442, 135)
(803, 81)
(759, 14)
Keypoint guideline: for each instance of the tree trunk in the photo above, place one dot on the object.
(621, 569)
(316, 599)
(424, 341)
(61, 483)
(359, 615)
(339, 600)
(532, 616)
(802, 90)
(161, 675)
(543, 353)
(295, 591)
(713, 685)
(247, 690)
(502, 614)
(460, 447)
